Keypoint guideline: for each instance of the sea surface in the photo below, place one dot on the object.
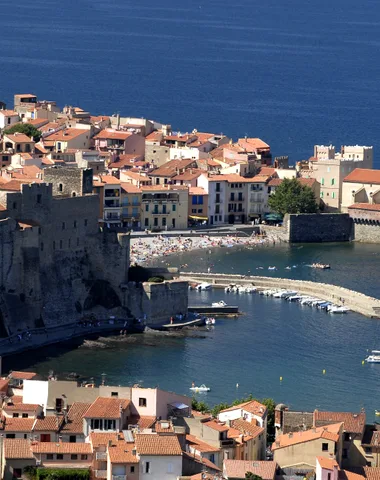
(294, 73)
(272, 339)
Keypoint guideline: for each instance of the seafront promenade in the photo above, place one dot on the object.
(355, 301)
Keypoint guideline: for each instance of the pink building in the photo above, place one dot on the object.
(119, 142)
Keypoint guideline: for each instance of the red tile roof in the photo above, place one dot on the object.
(21, 407)
(327, 463)
(112, 135)
(107, 408)
(238, 468)
(366, 206)
(252, 406)
(9, 113)
(48, 424)
(122, 453)
(363, 175)
(352, 422)
(66, 134)
(98, 439)
(163, 426)
(329, 432)
(253, 143)
(347, 475)
(153, 444)
(188, 175)
(203, 461)
(75, 418)
(200, 445)
(142, 421)
(17, 449)
(219, 427)
(372, 473)
(267, 171)
(12, 186)
(4, 382)
(19, 424)
(171, 168)
(18, 137)
(197, 191)
(247, 428)
(61, 447)
(129, 188)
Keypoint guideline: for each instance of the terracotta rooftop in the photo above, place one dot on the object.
(50, 423)
(66, 135)
(18, 137)
(61, 447)
(75, 418)
(253, 143)
(107, 179)
(309, 182)
(171, 168)
(38, 122)
(253, 406)
(98, 439)
(238, 468)
(200, 445)
(142, 421)
(164, 426)
(329, 432)
(372, 473)
(22, 407)
(153, 444)
(260, 178)
(122, 453)
(352, 422)
(125, 160)
(107, 408)
(112, 135)
(247, 428)
(130, 188)
(203, 461)
(219, 427)
(188, 175)
(366, 206)
(363, 175)
(17, 449)
(22, 375)
(155, 136)
(12, 186)
(9, 113)
(347, 475)
(327, 463)
(18, 424)
(267, 171)
(197, 191)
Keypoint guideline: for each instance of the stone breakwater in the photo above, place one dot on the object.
(356, 301)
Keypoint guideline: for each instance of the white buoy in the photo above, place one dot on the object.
(237, 385)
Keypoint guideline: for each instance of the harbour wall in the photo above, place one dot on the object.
(366, 233)
(356, 301)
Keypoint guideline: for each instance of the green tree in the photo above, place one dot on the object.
(293, 197)
(26, 128)
(252, 476)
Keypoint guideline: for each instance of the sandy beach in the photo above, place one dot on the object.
(145, 249)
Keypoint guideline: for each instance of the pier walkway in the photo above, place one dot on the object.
(356, 301)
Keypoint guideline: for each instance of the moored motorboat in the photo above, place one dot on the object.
(374, 357)
(222, 303)
(201, 388)
(203, 286)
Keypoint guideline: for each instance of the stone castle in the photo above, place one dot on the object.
(58, 267)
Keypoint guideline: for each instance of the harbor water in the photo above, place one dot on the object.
(272, 339)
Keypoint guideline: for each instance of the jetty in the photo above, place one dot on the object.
(217, 310)
(176, 325)
(355, 301)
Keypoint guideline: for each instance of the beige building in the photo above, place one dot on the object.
(130, 203)
(164, 207)
(330, 168)
(300, 449)
(361, 186)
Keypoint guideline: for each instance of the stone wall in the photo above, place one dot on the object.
(366, 233)
(69, 181)
(325, 227)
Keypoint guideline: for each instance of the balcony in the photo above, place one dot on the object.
(230, 442)
(101, 456)
(161, 213)
(119, 477)
(100, 473)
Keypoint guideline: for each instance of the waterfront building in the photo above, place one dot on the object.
(119, 142)
(330, 168)
(138, 179)
(361, 186)
(109, 190)
(131, 205)
(8, 118)
(164, 207)
(106, 414)
(309, 182)
(167, 172)
(198, 204)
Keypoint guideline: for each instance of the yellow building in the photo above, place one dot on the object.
(130, 203)
(164, 207)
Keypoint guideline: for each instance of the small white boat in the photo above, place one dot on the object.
(294, 298)
(337, 309)
(374, 357)
(210, 321)
(222, 303)
(227, 289)
(201, 388)
(272, 268)
(203, 286)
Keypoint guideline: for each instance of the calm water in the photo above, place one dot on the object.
(295, 73)
(273, 338)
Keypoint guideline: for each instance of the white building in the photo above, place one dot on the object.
(8, 118)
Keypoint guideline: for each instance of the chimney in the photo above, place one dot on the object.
(134, 451)
(291, 435)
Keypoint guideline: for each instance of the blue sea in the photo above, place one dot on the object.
(294, 73)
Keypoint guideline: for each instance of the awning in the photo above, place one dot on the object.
(180, 406)
(273, 217)
(196, 217)
(253, 215)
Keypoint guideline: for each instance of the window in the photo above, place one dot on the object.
(42, 246)
(155, 221)
(15, 415)
(322, 181)
(74, 456)
(83, 457)
(132, 469)
(110, 424)
(142, 402)
(14, 205)
(333, 194)
(73, 194)
(217, 187)
(325, 447)
(73, 439)
(10, 435)
(59, 456)
(163, 208)
(329, 476)
(146, 222)
(147, 467)
(200, 210)
(60, 244)
(114, 394)
(39, 196)
(368, 450)
(53, 245)
(25, 415)
(344, 453)
(77, 242)
(164, 221)
(17, 473)
(75, 224)
(321, 194)
(49, 456)
(147, 208)
(85, 222)
(60, 187)
(333, 181)
(63, 225)
(193, 210)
